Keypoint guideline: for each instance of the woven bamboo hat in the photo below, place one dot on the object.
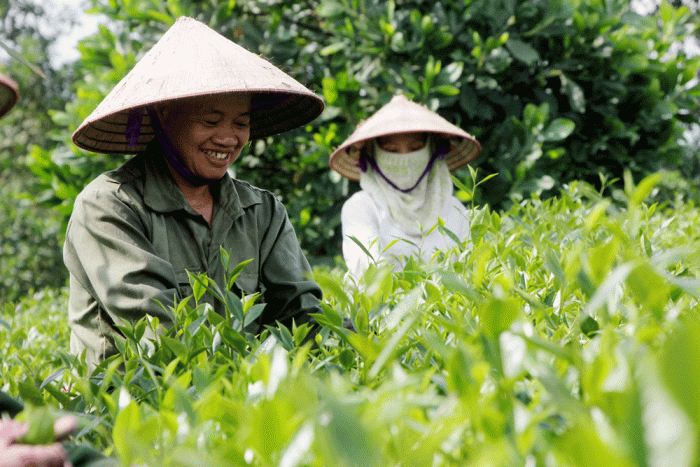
(9, 93)
(190, 60)
(401, 115)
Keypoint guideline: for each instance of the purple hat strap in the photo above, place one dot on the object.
(133, 126)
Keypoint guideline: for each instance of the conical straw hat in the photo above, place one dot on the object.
(401, 115)
(192, 59)
(9, 93)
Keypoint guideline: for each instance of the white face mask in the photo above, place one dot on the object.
(402, 169)
(418, 209)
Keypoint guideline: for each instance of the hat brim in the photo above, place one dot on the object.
(193, 60)
(9, 94)
(107, 134)
(403, 116)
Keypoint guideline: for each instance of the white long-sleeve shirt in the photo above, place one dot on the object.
(374, 227)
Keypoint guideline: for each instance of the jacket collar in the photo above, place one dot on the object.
(161, 193)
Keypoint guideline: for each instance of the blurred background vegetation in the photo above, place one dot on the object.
(555, 91)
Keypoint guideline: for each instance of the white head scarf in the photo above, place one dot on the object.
(418, 208)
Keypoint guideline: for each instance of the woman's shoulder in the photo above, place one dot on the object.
(456, 205)
(358, 200)
(359, 208)
(250, 194)
(123, 182)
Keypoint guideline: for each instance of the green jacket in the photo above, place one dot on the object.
(132, 237)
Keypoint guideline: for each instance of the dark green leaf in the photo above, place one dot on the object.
(522, 51)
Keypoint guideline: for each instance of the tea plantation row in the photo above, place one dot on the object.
(564, 332)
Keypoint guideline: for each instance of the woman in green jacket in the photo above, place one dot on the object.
(186, 110)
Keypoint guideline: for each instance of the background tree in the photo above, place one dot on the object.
(31, 230)
(554, 90)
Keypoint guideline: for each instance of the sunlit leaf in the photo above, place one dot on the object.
(558, 130)
(522, 51)
(679, 368)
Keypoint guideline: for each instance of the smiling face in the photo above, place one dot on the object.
(208, 131)
(402, 143)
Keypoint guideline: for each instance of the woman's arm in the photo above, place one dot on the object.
(359, 221)
(115, 273)
(290, 291)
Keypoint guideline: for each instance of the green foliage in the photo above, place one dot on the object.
(30, 251)
(40, 421)
(563, 332)
(555, 90)
(31, 231)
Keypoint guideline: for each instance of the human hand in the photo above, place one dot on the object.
(24, 455)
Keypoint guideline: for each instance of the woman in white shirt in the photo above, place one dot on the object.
(402, 156)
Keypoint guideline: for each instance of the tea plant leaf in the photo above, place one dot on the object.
(20, 58)
(649, 289)
(390, 347)
(364, 249)
(40, 425)
(596, 213)
(140, 329)
(379, 283)
(234, 308)
(214, 318)
(225, 259)
(283, 336)
(52, 377)
(30, 394)
(459, 184)
(126, 425)
(583, 446)
(455, 284)
(323, 320)
(345, 437)
(233, 275)
(459, 367)
(522, 51)
(199, 286)
(406, 305)
(332, 287)
(445, 231)
(497, 315)
(559, 129)
(606, 290)
(365, 346)
(233, 339)
(177, 347)
(332, 316)
(589, 326)
(643, 190)
(679, 368)
(254, 313)
(556, 350)
(298, 448)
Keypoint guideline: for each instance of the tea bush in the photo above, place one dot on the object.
(564, 332)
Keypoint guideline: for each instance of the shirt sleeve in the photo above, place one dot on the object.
(113, 266)
(290, 292)
(359, 220)
(458, 220)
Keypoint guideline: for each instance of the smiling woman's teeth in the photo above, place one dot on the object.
(219, 155)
